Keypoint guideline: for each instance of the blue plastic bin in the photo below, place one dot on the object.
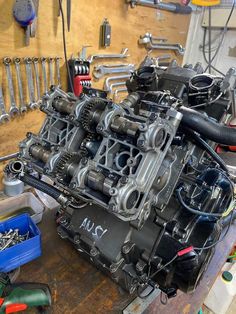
(24, 252)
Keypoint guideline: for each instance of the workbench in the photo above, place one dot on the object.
(78, 287)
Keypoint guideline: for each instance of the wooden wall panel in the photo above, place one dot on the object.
(127, 25)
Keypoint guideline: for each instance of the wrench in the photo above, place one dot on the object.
(149, 41)
(57, 60)
(23, 107)
(101, 70)
(50, 61)
(4, 117)
(36, 71)
(121, 55)
(44, 71)
(13, 108)
(28, 66)
(117, 91)
(167, 6)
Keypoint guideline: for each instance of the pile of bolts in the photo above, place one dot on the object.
(11, 238)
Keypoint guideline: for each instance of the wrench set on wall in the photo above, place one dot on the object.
(31, 67)
(121, 72)
(80, 72)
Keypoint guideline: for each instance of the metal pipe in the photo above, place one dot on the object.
(8, 157)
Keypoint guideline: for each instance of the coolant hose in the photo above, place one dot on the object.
(208, 128)
(42, 186)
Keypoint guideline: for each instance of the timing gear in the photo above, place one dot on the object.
(91, 113)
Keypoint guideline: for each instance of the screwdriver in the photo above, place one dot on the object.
(24, 13)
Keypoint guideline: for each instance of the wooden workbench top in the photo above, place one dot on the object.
(78, 287)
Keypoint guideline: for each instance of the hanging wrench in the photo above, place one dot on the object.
(57, 60)
(152, 42)
(101, 70)
(28, 66)
(50, 61)
(36, 71)
(4, 117)
(121, 55)
(23, 107)
(44, 71)
(13, 108)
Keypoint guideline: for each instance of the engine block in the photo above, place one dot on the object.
(138, 181)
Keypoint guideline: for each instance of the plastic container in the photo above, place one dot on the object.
(47, 200)
(223, 291)
(25, 251)
(28, 200)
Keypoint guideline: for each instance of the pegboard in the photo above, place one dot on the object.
(87, 16)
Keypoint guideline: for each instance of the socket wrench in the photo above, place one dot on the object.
(23, 107)
(36, 72)
(121, 55)
(101, 70)
(4, 116)
(108, 81)
(29, 73)
(13, 107)
(57, 61)
(44, 72)
(51, 74)
(159, 43)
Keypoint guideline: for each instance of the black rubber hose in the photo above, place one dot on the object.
(208, 128)
(40, 185)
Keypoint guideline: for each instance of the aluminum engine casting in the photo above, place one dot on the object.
(143, 192)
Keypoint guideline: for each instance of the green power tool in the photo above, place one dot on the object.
(18, 297)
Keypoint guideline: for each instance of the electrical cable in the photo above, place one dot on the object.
(64, 46)
(210, 102)
(220, 240)
(193, 210)
(209, 44)
(209, 150)
(163, 298)
(204, 54)
(223, 35)
(164, 266)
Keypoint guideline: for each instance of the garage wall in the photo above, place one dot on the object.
(226, 57)
(87, 16)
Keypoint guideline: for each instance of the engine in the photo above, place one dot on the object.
(143, 194)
